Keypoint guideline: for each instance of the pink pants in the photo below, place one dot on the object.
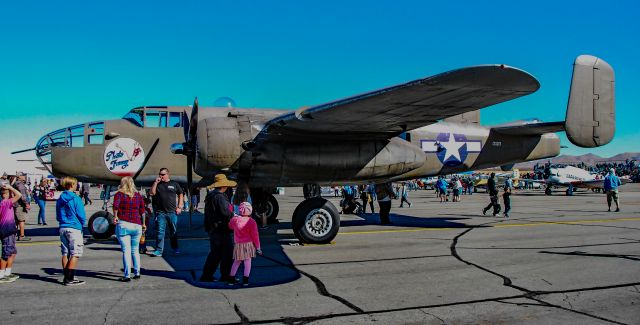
(236, 265)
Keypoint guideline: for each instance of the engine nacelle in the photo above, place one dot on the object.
(219, 145)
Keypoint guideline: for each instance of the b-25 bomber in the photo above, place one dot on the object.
(421, 128)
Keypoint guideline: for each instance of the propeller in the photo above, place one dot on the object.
(146, 159)
(190, 130)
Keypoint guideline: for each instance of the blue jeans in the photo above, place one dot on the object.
(166, 220)
(128, 235)
(41, 205)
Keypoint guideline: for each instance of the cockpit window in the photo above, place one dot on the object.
(174, 120)
(135, 116)
(156, 119)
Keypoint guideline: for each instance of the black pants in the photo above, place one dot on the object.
(86, 198)
(385, 208)
(403, 199)
(221, 253)
(494, 203)
(507, 205)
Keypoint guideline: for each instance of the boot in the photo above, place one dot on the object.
(245, 281)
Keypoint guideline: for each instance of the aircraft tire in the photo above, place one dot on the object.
(273, 208)
(101, 225)
(316, 221)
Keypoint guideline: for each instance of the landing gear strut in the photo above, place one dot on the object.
(266, 203)
(316, 221)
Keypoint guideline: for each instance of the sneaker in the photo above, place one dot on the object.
(506, 215)
(6, 279)
(245, 281)
(618, 210)
(497, 215)
(232, 281)
(13, 276)
(125, 279)
(484, 212)
(136, 277)
(44, 224)
(74, 282)
(155, 254)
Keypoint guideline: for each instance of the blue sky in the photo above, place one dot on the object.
(69, 62)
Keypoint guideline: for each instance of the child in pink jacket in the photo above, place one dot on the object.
(247, 242)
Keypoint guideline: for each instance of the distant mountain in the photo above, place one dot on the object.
(589, 159)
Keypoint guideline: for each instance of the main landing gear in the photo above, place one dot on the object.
(316, 221)
(101, 225)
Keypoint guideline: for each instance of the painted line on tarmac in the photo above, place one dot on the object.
(535, 224)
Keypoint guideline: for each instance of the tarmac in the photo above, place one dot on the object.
(556, 260)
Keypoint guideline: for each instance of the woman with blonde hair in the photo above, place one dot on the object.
(128, 211)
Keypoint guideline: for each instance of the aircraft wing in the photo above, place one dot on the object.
(531, 129)
(387, 112)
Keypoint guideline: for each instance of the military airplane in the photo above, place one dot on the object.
(421, 128)
(572, 178)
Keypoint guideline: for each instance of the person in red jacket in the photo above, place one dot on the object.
(246, 240)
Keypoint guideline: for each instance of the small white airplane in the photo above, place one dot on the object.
(573, 177)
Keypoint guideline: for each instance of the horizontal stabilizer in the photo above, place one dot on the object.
(590, 118)
(531, 128)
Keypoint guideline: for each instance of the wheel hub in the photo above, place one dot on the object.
(318, 222)
(100, 225)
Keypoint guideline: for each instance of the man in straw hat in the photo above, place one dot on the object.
(217, 213)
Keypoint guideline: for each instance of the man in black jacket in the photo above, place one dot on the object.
(493, 196)
(217, 213)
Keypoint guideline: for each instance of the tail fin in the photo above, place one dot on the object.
(590, 120)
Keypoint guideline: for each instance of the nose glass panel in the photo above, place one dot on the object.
(68, 137)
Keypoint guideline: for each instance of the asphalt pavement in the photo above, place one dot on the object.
(556, 260)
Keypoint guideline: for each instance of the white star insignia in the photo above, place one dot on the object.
(452, 147)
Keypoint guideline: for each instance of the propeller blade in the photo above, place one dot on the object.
(23, 150)
(189, 184)
(193, 123)
(185, 125)
(146, 159)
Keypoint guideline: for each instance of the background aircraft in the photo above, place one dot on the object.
(421, 128)
(572, 177)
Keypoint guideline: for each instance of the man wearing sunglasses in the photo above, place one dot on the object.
(168, 201)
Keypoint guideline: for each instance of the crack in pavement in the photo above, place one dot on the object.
(307, 319)
(434, 315)
(577, 253)
(529, 294)
(320, 287)
(243, 318)
(577, 312)
(106, 315)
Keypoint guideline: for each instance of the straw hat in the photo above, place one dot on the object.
(221, 180)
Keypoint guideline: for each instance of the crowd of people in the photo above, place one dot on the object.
(131, 214)
(230, 220)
